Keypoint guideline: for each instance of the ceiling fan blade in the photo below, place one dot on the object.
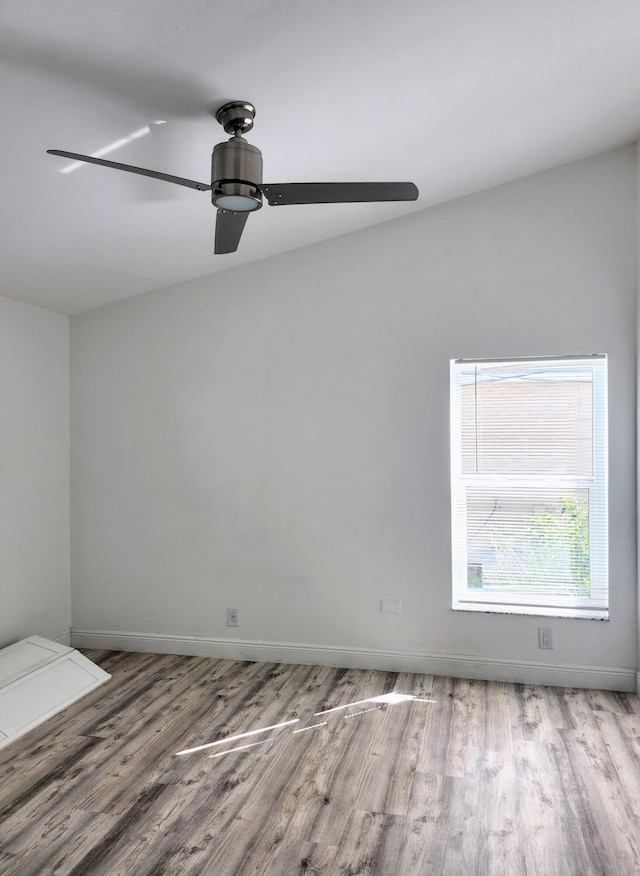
(229, 228)
(179, 180)
(338, 193)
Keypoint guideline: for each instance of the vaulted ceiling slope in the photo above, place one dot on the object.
(454, 96)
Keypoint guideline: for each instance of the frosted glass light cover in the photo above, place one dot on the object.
(237, 203)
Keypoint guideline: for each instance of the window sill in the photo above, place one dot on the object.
(534, 611)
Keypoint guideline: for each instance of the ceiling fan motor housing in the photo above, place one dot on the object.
(236, 171)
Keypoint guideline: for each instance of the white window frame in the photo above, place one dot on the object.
(470, 599)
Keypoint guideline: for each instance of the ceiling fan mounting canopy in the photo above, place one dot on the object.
(236, 116)
(236, 180)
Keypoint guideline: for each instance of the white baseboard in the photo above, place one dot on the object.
(638, 682)
(64, 638)
(455, 665)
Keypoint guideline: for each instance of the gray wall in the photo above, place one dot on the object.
(34, 473)
(275, 437)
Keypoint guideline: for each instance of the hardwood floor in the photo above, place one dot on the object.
(436, 776)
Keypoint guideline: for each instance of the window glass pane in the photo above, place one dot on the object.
(530, 540)
(531, 422)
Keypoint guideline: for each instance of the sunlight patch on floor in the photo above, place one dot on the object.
(237, 736)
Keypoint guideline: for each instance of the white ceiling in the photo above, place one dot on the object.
(454, 95)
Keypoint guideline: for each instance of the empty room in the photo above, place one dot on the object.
(319, 527)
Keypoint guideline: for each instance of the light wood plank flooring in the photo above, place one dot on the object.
(435, 776)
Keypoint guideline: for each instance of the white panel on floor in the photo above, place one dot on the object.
(39, 678)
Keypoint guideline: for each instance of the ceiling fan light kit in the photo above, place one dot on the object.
(236, 180)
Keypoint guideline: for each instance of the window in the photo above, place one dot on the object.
(529, 486)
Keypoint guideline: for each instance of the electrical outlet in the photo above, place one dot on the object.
(232, 617)
(545, 637)
(390, 606)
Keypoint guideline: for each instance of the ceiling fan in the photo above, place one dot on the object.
(236, 180)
